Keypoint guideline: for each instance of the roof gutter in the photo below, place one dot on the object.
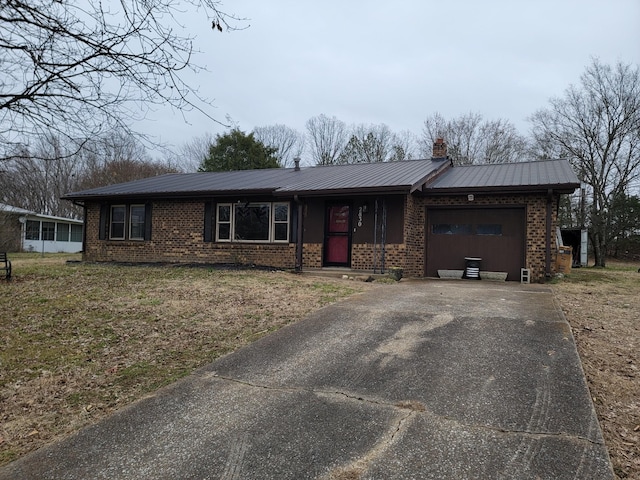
(166, 195)
(542, 189)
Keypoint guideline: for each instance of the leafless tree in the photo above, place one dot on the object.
(289, 143)
(327, 138)
(368, 144)
(472, 140)
(597, 125)
(192, 153)
(404, 146)
(116, 158)
(37, 177)
(76, 69)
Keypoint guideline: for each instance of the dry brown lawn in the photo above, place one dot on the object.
(603, 308)
(79, 341)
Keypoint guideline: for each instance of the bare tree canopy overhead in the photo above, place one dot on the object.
(327, 138)
(74, 68)
(472, 140)
(37, 177)
(288, 142)
(596, 124)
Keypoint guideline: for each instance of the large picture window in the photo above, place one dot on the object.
(252, 222)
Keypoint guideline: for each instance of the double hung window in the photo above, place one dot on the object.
(125, 222)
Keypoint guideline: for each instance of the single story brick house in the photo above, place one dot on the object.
(420, 215)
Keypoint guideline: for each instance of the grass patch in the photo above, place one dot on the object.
(78, 341)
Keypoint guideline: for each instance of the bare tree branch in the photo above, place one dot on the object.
(75, 69)
(327, 138)
(597, 126)
(472, 140)
(289, 143)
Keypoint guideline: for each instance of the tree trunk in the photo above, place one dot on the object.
(599, 249)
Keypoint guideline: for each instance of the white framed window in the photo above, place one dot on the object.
(48, 231)
(117, 222)
(76, 233)
(32, 230)
(223, 223)
(62, 232)
(136, 222)
(281, 222)
(256, 222)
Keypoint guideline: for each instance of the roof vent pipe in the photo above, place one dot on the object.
(296, 161)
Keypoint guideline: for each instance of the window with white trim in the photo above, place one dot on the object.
(136, 222)
(223, 223)
(117, 222)
(62, 232)
(76, 233)
(280, 222)
(32, 230)
(48, 231)
(253, 222)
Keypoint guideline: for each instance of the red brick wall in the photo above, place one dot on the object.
(178, 236)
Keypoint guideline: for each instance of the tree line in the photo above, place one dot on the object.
(74, 77)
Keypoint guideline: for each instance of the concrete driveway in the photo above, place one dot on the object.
(416, 380)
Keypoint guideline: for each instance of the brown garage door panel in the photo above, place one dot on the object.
(497, 235)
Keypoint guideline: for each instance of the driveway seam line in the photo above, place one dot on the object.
(410, 406)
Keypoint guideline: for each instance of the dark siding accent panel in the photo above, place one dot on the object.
(208, 221)
(293, 232)
(313, 222)
(104, 221)
(395, 219)
(147, 220)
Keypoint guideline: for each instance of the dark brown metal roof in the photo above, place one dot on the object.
(435, 176)
(539, 175)
(400, 176)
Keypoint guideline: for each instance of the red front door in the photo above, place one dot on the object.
(337, 243)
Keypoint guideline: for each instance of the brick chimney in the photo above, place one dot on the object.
(439, 149)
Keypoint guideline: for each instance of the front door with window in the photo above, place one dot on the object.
(337, 244)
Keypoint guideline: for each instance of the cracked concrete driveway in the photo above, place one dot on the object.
(416, 380)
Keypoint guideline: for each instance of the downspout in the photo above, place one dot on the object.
(548, 239)
(299, 234)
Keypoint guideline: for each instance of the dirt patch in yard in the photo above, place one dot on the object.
(79, 341)
(603, 308)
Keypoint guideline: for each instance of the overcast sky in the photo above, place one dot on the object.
(397, 62)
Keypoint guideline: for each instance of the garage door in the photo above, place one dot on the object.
(497, 235)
